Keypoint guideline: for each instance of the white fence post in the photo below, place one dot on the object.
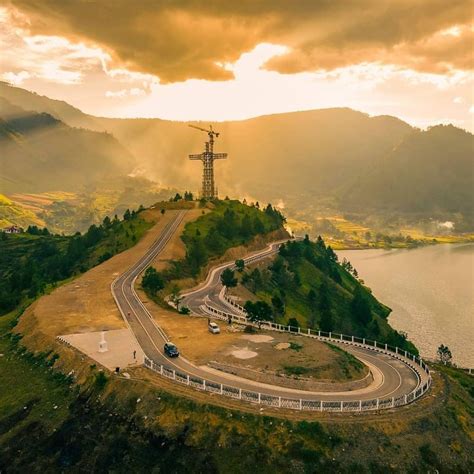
(301, 404)
(187, 379)
(377, 404)
(204, 384)
(259, 397)
(240, 394)
(360, 405)
(321, 406)
(363, 341)
(341, 404)
(279, 402)
(393, 402)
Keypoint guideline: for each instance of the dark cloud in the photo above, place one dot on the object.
(178, 40)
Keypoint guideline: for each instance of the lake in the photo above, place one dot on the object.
(430, 290)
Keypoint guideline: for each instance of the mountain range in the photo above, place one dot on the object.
(337, 159)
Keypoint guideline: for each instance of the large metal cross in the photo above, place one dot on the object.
(209, 190)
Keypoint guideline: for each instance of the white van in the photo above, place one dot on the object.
(213, 328)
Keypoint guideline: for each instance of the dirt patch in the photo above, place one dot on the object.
(244, 354)
(257, 337)
(282, 346)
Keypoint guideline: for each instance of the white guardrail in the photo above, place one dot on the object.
(414, 362)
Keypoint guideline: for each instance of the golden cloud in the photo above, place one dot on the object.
(179, 40)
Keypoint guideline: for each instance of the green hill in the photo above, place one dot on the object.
(306, 285)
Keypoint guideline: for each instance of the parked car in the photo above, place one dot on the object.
(171, 350)
(213, 328)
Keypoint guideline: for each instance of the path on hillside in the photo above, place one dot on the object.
(392, 376)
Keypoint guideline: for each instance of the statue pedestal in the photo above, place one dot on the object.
(103, 347)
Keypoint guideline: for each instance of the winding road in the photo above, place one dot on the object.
(394, 376)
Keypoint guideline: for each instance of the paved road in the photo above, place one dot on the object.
(391, 376)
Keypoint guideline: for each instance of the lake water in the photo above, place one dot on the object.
(430, 290)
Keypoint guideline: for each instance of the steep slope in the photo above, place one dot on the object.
(41, 104)
(429, 172)
(40, 153)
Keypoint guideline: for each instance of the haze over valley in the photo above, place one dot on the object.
(312, 164)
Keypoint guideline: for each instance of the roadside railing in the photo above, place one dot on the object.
(413, 361)
(284, 402)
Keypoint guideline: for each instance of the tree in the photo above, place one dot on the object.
(175, 296)
(152, 281)
(196, 256)
(258, 226)
(325, 322)
(293, 322)
(444, 354)
(360, 307)
(177, 197)
(278, 305)
(259, 311)
(246, 227)
(106, 222)
(188, 196)
(228, 278)
(240, 264)
(163, 211)
(253, 280)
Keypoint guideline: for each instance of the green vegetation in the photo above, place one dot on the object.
(229, 224)
(306, 284)
(228, 278)
(33, 261)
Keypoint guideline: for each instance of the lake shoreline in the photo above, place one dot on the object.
(430, 292)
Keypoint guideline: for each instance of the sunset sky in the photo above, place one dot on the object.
(220, 60)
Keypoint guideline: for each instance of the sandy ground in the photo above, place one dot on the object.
(121, 346)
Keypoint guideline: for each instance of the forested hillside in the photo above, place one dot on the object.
(427, 172)
(35, 260)
(307, 286)
(40, 153)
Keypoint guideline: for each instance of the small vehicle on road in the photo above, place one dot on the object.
(213, 328)
(171, 350)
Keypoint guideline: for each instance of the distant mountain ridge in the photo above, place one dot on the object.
(40, 153)
(337, 158)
